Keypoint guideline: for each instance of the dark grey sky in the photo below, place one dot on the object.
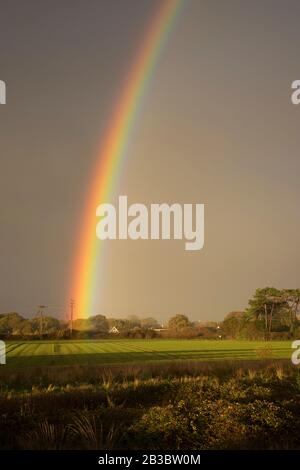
(217, 127)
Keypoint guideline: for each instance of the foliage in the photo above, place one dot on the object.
(270, 305)
(271, 313)
(233, 324)
(221, 407)
(179, 322)
(11, 323)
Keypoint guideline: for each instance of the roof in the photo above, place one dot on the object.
(114, 329)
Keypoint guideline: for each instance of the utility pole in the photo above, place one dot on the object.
(72, 305)
(40, 314)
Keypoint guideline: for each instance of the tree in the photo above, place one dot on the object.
(149, 323)
(133, 321)
(120, 323)
(96, 323)
(265, 305)
(50, 326)
(11, 323)
(179, 322)
(99, 323)
(233, 324)
(81, 324)
(292, 298)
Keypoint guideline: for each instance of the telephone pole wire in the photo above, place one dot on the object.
(40, 314)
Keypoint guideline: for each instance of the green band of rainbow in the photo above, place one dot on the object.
(84, 274)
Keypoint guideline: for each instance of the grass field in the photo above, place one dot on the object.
(39, 353)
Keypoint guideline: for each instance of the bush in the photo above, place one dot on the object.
(204, 407)
(212, 424)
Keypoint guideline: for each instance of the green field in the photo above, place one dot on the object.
(36, 353)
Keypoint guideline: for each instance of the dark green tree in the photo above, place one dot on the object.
(292, 298)
(266, 305)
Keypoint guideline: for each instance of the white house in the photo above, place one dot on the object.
(114, 330)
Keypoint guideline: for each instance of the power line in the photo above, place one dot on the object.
(40, 315)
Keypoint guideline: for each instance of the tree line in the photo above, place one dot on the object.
(271, 314)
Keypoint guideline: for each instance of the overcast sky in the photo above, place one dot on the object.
(217, 127)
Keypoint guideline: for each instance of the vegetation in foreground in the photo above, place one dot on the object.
(246, 405)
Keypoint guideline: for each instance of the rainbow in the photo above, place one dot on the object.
(113, 151)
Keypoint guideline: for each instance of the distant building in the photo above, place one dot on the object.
(114, 330)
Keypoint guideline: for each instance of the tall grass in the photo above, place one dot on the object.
(85, 428)
(243, 404)
(41, 377)
(45, 436)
